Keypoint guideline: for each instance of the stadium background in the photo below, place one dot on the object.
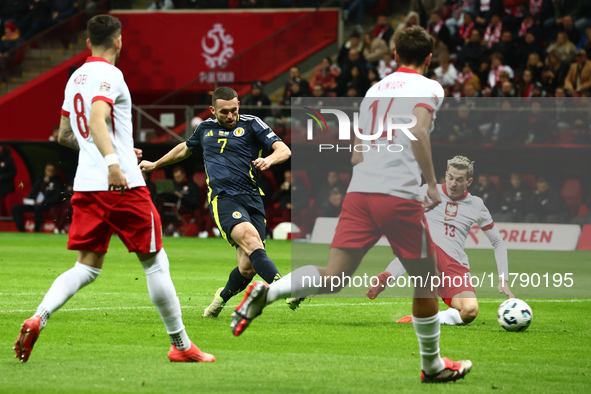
(255, 44)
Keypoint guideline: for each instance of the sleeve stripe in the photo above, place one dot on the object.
(263, 124)
(426, 106)
(488, 226)
(103, 98)
(65, 113)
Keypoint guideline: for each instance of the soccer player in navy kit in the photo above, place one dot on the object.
(232, 145)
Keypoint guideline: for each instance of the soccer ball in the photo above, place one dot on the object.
(514, 315)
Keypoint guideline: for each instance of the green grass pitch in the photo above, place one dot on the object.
(108, 337)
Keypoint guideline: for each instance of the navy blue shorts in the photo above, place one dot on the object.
(227, 211)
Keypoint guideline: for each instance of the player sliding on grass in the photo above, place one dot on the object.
(110, 194)
(232, 145)
(450, 223)
(383, 199)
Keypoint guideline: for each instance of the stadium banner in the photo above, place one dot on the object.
(200, 49)
(519, 236)
(356, 184)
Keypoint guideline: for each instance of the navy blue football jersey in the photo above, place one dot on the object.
(228, 154)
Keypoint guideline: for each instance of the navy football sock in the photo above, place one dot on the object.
(236, 284)
(263, 266)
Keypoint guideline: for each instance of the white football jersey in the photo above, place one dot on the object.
(450, 222)
(96, 80)
(394, 172)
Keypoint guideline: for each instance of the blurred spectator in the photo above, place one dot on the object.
(383, 28)
(353, 43)
(540, 10)
(352, 70)
(526, 84)
(62, 10)
(492, 35)
(291, 190)
(332, 207)
(257, 99)
(464, 31)
(508, 48)
(532, 45)
(563, 48)
(516, 201)
(359, 7)
(535, 66)
(585, 42)
(537, 123)
(460, 10)
(10, 40)
(465, 77)
(162, 5)
(45, 193)
(7, 174)
(507, 127)
(437, 26)
(496, 67)
(332, 181)
(372, 76)
(508, 89)
(425, 8)
(37, 19)
(294, 73)
(473, 52)
(446, 72)
(568, 26)
(563, 119)
(318, 91)
(562, 9)
(352, 90)
(326, 75)
(292, 98)
(547, 206)
(459, 128)
(470, 90)
(411, 19)
(538, 90)
(579, 75)
(527, 26)
(374, 49)
(387, 65)
(487, 190)
(555, 73)
(439, 50)
(183, 201)
(55, 132)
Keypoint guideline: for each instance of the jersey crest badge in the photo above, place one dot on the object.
(239, 132)
(451, 209)
(105, 87)
(210, 134)
(435, 99)
(236, 215)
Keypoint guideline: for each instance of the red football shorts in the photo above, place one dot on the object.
(457, 277)
(365, 217)
(131, 215)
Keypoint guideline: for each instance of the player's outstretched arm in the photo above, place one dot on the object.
(66, 136)
(496, 240)
(99, 113)
(281, 152)
(421, 148)
(176, 154)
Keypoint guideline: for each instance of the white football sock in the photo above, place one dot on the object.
(163, 296)
(427, 330)
(396, 268)
(63, 288)
(451, 317)
(302, 282)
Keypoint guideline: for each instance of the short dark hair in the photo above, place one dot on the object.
(179, 168)
(413, 45)
(223, 93)
(103, 30)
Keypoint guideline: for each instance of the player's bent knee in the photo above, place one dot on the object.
(158, 261)
(469, 311)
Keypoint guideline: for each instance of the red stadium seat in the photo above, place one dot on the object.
(497, 181)
(530, 179)
(157, 175)
(572, 194)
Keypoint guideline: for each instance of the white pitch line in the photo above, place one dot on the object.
(306, 305)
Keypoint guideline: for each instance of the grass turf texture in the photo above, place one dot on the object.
(109, 338)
